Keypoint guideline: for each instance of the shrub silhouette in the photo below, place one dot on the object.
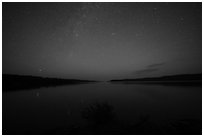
(98, 113)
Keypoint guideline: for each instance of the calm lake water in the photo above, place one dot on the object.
(58, 107)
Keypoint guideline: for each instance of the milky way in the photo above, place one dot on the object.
(102, 40)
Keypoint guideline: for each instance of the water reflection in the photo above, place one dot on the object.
(104, 108)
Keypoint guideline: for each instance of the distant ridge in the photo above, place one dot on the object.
(18, 82)
(181, 77)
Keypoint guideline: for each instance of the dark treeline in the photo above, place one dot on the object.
(12, 82)
(174, 80)
(183, 77)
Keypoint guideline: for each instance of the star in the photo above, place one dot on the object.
(77, 35)
(84, 15)
(154, 8)
(71, 54)
(60, 40)
(37, 94)
(136, 34)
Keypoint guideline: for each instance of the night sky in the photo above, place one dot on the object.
(102, 41)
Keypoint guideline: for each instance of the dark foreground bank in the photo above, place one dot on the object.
(101, 119)
(19, 82)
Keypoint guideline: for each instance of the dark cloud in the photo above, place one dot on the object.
(155, 65)
(146, 71)
(149, 69)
